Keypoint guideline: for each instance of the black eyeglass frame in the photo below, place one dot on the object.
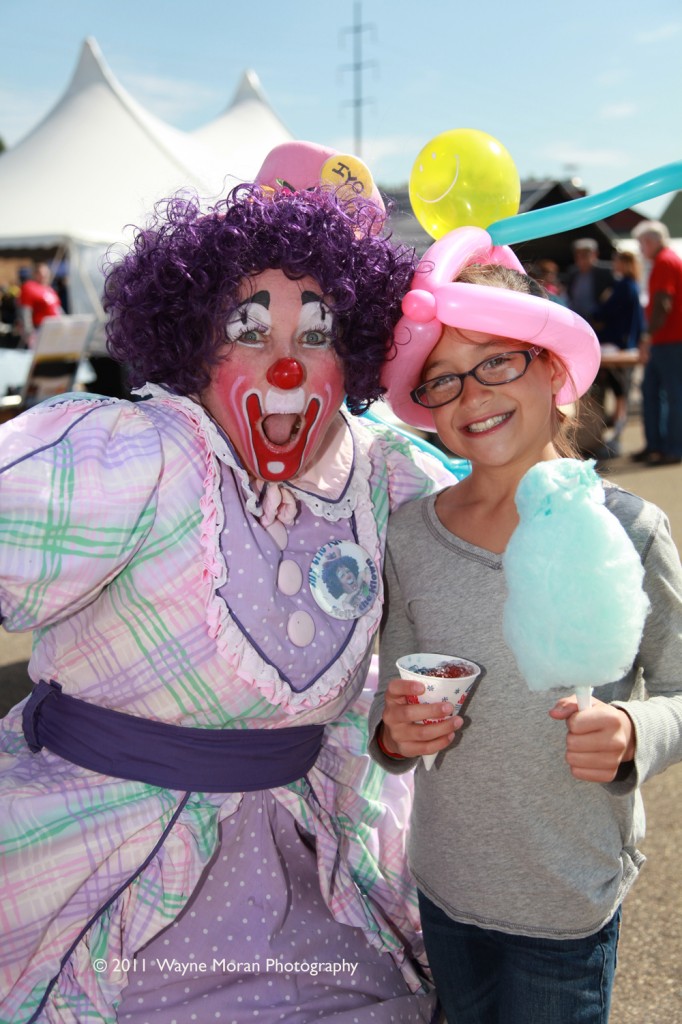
(529, 355)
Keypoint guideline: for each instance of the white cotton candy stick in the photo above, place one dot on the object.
(575, 607)
(583, 695)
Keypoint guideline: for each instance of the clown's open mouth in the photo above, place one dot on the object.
(280, 436)
(280, 431)
(281, 428)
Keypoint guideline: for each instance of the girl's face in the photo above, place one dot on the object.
(280, 384)
(497, 425)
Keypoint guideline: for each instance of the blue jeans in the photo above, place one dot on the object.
(662, 399)
(489, 977)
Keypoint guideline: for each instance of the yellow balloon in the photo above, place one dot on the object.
(463, 176)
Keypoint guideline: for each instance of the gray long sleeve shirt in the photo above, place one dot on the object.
(502, 836)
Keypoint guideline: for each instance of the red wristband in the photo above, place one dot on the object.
(384, 750)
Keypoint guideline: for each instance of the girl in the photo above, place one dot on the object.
(524, 835)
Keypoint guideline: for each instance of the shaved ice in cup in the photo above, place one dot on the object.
(445, 678)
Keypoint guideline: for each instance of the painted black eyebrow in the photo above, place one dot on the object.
(261, 298)
(307, 297)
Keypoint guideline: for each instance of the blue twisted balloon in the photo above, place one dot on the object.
(460, 467)
(587, 209)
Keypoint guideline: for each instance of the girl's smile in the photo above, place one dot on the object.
(486, 425)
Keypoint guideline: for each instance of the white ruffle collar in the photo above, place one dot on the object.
(330, 487)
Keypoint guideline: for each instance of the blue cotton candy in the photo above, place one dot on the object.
(575, 608)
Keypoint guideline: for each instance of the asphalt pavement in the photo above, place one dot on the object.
(648, 987)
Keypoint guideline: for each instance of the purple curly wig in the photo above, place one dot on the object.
(170, 296)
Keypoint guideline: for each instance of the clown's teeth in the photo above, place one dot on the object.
(283, 401)
(492, 421)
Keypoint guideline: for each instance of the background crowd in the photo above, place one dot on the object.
(633, 302)
(637, 324)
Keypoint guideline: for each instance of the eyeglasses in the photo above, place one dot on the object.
(499, 369)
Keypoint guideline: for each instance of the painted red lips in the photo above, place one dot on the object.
(279, 439)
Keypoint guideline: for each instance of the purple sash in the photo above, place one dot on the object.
(172, 756)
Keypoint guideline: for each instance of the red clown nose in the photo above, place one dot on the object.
(285, 374)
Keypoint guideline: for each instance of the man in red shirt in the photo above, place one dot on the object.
(38, 298)
(662, 349)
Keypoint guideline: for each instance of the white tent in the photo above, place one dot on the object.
(245, 133)
(96, 163)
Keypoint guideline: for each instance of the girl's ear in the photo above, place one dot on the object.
(558, 373)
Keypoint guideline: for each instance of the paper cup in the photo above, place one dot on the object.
(454, 689)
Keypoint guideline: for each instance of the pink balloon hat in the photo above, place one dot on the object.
(301, 165)
(435, 299)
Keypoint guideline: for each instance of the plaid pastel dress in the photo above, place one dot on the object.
(132, 545)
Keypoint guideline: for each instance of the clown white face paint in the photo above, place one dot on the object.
(280, 384)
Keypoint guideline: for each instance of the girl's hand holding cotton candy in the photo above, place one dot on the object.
(575, 608)
(598, 740)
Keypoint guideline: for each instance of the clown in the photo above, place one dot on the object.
(197, 698)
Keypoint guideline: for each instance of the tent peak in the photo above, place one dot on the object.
(91, 68)
(249, 88)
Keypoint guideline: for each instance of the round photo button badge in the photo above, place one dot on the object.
(343, 579)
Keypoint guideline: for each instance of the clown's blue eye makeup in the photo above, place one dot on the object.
(316, 323)
(255, 336)
(317, 337)
(251, 332)
(250, 323)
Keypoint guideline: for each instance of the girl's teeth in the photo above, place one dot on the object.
(478, 428)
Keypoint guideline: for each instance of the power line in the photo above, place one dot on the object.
(357, 66)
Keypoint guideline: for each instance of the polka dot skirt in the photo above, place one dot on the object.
(257, 943)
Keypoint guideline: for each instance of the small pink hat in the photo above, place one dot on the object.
(300, 165)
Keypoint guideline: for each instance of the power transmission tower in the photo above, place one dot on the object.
(357, 66)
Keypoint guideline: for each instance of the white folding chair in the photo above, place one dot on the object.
(50, 367)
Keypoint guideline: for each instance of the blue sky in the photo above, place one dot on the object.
(588, 89)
